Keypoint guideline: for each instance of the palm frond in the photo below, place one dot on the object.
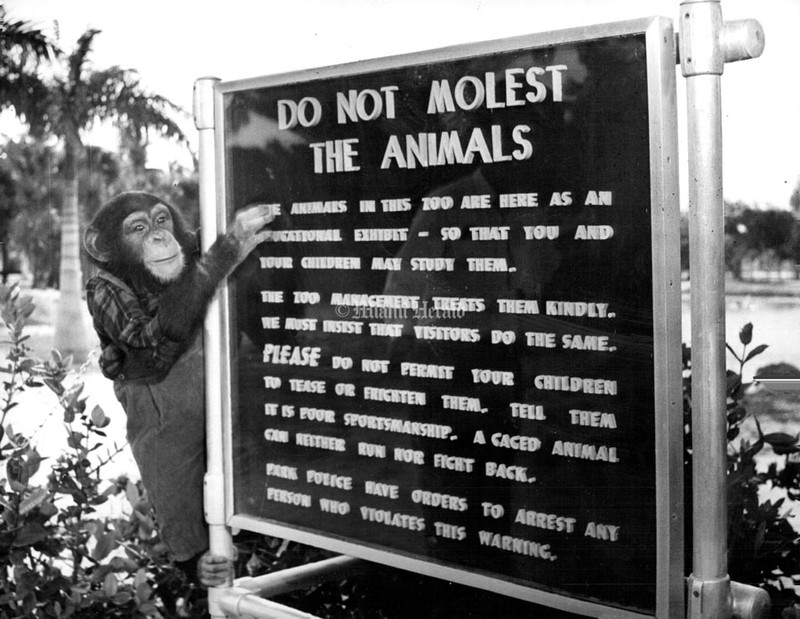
(29, 96)
(118, 95)
(22, 48)
(78, 58)
(27, 38)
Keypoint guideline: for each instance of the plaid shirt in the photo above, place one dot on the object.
(133, 344)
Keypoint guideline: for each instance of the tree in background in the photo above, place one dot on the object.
(684, 235)
(29, 169)
(736, 246)
(67, 104)
(8, 205)
(794, 201)
(23, 48)
(754, 233)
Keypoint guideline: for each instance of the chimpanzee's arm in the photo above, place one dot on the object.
(127, 329)
(183, 305)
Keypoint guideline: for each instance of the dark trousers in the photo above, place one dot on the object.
(166, 431)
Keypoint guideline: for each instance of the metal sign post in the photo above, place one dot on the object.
(219, 535)
(706, 44)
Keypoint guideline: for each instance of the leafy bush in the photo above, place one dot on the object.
(63, 551)
(763, 547)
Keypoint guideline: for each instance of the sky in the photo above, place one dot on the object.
(174, 42)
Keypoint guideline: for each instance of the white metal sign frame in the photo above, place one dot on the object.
(666, 309)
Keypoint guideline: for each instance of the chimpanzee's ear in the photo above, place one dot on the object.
(90, 238)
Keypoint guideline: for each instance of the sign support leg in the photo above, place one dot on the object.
(705, 45)
(220, 542)
(710, 585)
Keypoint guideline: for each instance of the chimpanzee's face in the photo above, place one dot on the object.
(149, 235)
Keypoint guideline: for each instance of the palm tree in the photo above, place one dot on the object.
(71, 102)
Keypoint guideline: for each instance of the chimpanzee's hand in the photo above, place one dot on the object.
(213, 571)
(247, 228)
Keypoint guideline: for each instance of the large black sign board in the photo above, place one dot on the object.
(448, 353)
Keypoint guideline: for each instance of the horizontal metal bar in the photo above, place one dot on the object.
(300, 577)
(239, 602)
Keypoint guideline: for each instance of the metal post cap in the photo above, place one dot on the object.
(203, 107)
(742, 39)
(750, 602)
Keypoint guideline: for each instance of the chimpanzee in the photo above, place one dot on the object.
(148, 302)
